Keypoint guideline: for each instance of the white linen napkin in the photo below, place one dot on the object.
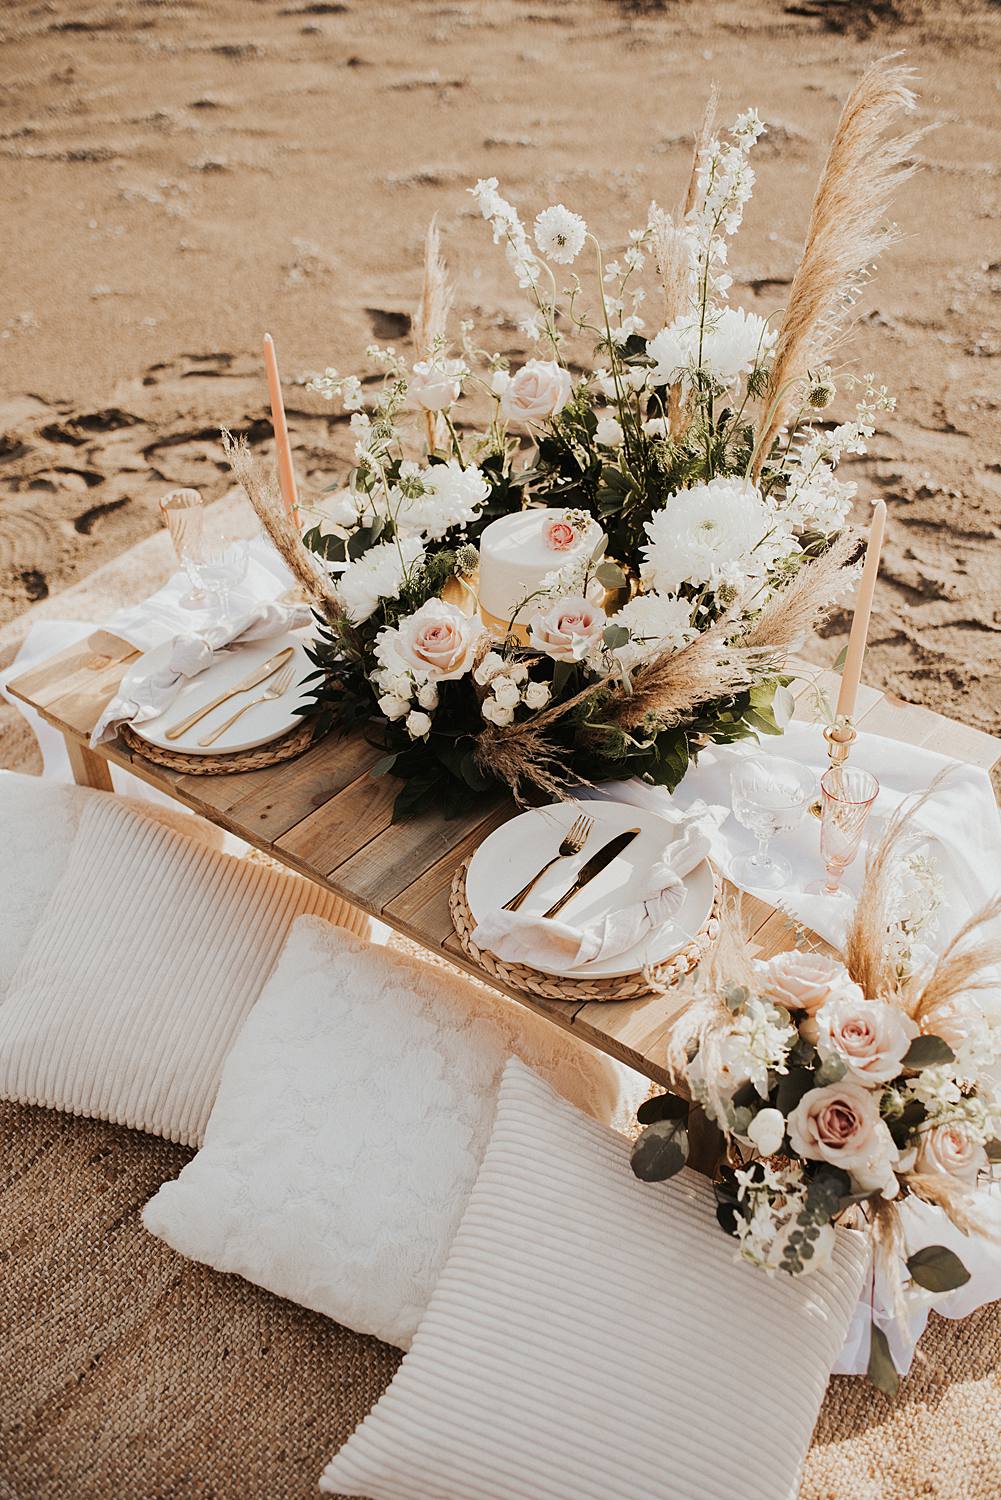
(529, 938)
(154, 681)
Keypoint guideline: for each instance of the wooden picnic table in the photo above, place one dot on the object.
(326, 817)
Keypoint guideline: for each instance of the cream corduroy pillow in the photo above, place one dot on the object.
(140, 971)
(593, 1337)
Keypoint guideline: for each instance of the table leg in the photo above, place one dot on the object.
(89, 768)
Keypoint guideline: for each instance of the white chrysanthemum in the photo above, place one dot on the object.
(376, 575)
(452, 497)
(560, 234)
(656, 622)
(703, 532)
(730, 344)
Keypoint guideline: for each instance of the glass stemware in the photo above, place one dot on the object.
(847, 796)
(769, 796)
(183, 514)
(218, 567)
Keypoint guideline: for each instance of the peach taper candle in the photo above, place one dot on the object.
(852, 674)
(283, 448)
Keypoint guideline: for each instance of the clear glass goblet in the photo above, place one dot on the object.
(219, 567)
(183, 514)
(769, 795)
(846, 797)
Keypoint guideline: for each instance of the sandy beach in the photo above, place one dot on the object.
(179, 177)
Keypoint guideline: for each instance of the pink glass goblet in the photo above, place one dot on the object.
(847, 796)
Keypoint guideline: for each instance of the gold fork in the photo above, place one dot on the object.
(279, 685)
(573, 842)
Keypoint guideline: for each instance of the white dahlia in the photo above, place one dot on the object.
(656, 622)
(730, 344)
(376, 575)
(452, 496)
(707, 534)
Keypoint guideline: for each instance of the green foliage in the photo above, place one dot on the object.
(928, 1052)
(937, 1269)
(661, 1150)
(881, 1371)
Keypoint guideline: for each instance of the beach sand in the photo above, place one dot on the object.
(179, 177)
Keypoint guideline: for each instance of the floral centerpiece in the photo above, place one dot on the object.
(840, 1089)
(591, 566)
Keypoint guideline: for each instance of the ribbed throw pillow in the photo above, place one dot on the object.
(38, 823)
(149, 955)
(593, 1338)
(352, 1116)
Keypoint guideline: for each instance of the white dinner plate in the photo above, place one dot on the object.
(512, 853)
(259, 725)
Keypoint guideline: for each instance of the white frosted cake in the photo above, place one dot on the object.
(518, 551)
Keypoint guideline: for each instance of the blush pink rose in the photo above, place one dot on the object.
(869, 1036)
(434, 385)
(840, 1124)
(540, 389)
(568, 629)
(438, 641)
(559, 535)
(805, 981)
(951, 1151)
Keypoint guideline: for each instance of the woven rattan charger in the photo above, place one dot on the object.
(654, 979)
(294, 743)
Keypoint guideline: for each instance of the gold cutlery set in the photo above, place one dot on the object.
(279, 667)
(573, 843)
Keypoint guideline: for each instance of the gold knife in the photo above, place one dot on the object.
(593, 867)
(258, 675)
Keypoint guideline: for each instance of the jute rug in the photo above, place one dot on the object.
(128, 1373)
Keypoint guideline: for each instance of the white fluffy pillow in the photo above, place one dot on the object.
(351, 1119)
(151, 950)
(39, 821)
(593, 1337)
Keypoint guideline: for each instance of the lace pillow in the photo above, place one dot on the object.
(351, 1118)
(140, 970)
(592, 1336)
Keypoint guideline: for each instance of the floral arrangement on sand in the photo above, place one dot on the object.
(593, 565)
(842, 1088)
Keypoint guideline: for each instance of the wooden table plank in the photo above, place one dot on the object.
(75, 671)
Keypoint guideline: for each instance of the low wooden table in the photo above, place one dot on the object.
(326, 817)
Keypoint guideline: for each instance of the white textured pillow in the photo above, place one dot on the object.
(38, 823)
(352, 1116)
(592, 1338)
(151, 951)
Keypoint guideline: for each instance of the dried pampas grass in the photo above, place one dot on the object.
(667, 688)
(431, 315)
(521, 756)
(261, 488)
(702, 138)
(846, 234)
(793, 612)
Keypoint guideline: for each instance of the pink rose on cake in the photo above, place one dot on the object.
(568, 629)
(540, 389)
(559, 534)
(437, 642)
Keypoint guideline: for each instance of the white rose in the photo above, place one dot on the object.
(540, 389)
(438, 641)
(951, 1151)
(506, 692)
(418, 725)
(427, 695)
(517, 671)
(657, 427)
(537, 694)
(869, 1036)
(496, 713)
(568, 629)
(805, 981)
(609, 433)
(435, 384)
(767, 1131)
(394, 707)
(491, 664)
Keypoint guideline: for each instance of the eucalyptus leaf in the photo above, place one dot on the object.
(384, 766)
(937, 1269)
(928, 1052)
(610, 575)
(614, 636)
(831, 1070)
(882, 1372)
(661, 1151)
(663, 1107)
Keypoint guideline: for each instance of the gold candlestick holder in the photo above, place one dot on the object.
(840, 737)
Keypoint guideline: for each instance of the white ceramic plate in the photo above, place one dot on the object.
(258, 726)
(509, 856)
